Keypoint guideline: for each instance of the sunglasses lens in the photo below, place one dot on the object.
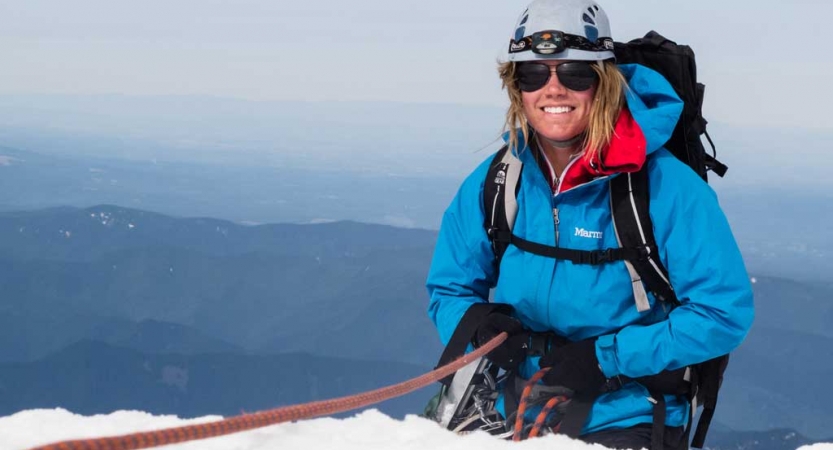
(532, 77)
(573, 75)
(577, 76)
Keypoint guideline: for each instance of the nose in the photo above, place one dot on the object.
(554, 85)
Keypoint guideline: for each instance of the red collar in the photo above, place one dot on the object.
(626, 153)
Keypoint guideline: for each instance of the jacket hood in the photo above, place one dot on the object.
(652, 102)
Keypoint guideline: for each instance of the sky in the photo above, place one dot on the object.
(764, 62)
(368, 430)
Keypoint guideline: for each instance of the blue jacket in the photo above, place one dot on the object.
(581, 301)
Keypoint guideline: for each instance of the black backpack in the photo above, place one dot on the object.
(629, 207)
(676, 63)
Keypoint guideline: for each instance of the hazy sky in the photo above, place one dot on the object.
(764, 62)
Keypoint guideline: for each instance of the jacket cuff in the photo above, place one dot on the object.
(606, 354)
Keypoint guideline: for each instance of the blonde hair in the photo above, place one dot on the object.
(607, 104)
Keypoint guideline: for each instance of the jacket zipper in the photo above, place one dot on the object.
(558, 180)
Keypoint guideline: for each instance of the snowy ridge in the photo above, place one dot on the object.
(368, 430)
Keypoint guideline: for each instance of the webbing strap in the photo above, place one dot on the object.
(592, 257)
(658, 428)
(710, 375)
(699, 438)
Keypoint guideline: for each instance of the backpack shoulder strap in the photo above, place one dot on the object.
(632, 223)
(500, 209)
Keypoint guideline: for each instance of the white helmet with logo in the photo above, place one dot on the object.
(561, 29)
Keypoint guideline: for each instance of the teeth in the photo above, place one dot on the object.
(557, 109)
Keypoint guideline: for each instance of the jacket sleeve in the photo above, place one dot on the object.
(462, 269)
(705, 269)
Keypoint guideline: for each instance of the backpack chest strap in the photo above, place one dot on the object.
(591, 257)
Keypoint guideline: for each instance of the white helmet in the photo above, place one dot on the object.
(561, 29)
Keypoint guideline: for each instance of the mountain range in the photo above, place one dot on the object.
(264, 288)
(790, 243)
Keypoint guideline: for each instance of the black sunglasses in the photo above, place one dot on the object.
(573, 75)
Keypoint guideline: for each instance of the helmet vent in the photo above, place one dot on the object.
(521, 30)
(592, 13)
(588, 19)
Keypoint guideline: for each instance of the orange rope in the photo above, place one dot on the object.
(542, 416)
(519, 419)
(273, 416)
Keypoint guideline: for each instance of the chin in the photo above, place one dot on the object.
(560, 135)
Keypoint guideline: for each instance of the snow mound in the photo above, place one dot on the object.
(368, 430)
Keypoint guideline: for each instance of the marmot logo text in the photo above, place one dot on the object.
(581, 232)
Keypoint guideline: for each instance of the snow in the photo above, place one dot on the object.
(368, 430)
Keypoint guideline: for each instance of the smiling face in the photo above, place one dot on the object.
(558, 113)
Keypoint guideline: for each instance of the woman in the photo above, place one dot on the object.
(577, 120)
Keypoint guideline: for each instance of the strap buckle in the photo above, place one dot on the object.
(540, 343)
(490, 231)
(601, 256)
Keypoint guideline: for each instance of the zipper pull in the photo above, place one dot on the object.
(556, 221)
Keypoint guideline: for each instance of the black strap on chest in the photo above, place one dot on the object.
(630, 209)
(591, 257)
